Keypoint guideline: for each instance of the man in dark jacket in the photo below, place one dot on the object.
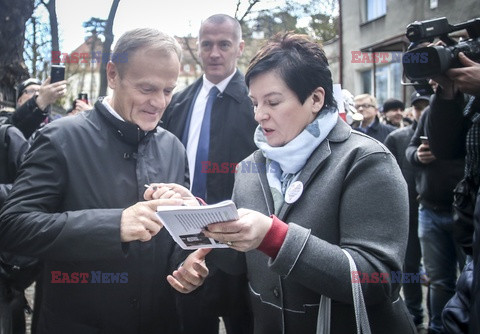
(366, 105)
(454, 128)
(397, 142)
(77, 203)
(435, 182)
(228, 141)
(13, 146)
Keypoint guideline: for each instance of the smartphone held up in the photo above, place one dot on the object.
(57, 73)
(83, 96)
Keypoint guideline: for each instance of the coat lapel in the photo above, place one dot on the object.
(340, 132)
(312, 166)
(181, 111)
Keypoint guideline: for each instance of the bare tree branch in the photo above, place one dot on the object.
(251, 3)
(237, 9)
(192, 52)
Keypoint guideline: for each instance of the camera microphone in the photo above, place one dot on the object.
(220, 95)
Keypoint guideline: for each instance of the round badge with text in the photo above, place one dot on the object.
(294, 192)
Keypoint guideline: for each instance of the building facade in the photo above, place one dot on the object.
(372, 40)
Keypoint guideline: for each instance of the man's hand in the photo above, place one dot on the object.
(170, 190)
(49, 93)
(140, 221)
(425, 156)
(192, 273)
(244, 234)
(467, 78)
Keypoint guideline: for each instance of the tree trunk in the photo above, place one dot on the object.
(34, 48)
(52, 13)
(13, 16)
(106, 48)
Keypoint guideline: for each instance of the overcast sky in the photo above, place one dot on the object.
(177, 17)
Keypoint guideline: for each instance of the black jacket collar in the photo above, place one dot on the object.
(127, 131)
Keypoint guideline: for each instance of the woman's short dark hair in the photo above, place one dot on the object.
(301, 63)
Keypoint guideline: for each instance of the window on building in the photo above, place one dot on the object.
(375, 8)
(387, 82)
(367, 81)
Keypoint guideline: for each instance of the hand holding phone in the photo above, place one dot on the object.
(57, 73)
(424, 140)
(83, 96)
(51, 91)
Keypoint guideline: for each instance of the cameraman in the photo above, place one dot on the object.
(453, 128)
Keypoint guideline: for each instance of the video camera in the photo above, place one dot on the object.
(422, 63)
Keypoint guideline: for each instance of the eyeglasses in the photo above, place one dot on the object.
(30, 91)
(364, 106)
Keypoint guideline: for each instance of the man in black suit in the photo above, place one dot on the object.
(229, 139)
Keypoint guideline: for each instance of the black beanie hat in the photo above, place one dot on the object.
(392, 104)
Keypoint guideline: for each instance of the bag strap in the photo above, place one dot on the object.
(324, 312)
(361, 316)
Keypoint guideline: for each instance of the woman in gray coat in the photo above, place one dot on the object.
(313, 188)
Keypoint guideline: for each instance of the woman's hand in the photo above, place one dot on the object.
(244, 234)
(169, 190)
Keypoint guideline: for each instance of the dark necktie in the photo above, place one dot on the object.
(199, 187)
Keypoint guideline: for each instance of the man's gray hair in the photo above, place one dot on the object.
(372, 99)
(221, 18)
(139, 38)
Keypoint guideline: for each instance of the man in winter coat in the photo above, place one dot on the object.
(230, 140)
(366, 105)
(453, 130)
(77, 203)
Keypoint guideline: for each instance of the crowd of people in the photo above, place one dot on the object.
(394, 191)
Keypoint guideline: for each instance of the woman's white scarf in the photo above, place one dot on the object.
(285, 163)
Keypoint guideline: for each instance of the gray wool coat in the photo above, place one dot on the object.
(354, 197)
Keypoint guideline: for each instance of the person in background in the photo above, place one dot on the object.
(13, 147)
(453, 129)
(80, 205)
(33, 103)
(397, 142)
(366, 105)
(408, 117)
(315, 179)
(78, 106)
(442, 256)
(393, 112)
(215, 138)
